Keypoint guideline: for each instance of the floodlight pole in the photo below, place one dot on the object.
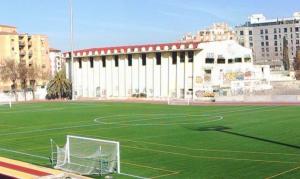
(72, 47)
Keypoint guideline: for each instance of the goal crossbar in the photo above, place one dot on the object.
(86, 156)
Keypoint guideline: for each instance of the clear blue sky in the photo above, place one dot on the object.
(121, 22)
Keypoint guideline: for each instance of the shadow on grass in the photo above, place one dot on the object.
(224, 129)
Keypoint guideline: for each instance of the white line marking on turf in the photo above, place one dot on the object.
(110, 116)
(23, 153)
(134, 176)
(165, 116)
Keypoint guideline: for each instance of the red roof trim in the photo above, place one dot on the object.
(133, 47)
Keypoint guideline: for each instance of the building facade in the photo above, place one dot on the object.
(217, 32)
(174, 70)
(266, 38)
(32, 49)
(56, 60)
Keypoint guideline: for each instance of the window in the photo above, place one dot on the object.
(251, 44)
(275, 37)
(80, 63)
(158, 58)
(230, 60)
(262, 44)
(267, 37)
(291, 29)
(191, 56)
(103, 61)
(267, 50)
(297, 42)
(144, 57)
(129, 58)
(241, 32)
(174, 58)
(275, 43)
(250, 38)
(238, 60)
(250, 32)
(182, 57)
(267, 43)
(210, 60)
(247, 59)
(91, 62)
(275, 31)
(116, 60)
(266, 31)
(276, 49)
(261, 31)
(221, 61)
(285, 30)
(297, 35)
(297, 29)
(279, 30)
(207, 71)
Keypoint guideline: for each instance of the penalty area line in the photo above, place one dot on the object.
(134, 176)
(282, 173)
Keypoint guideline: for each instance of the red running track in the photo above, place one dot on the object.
(23, 169)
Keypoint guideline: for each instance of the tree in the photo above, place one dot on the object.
(59, 87)
(34, 73)
(8, 71)
(23, 76)
(286, 60)
(297, 65)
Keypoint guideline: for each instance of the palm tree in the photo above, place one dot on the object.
(59, 86)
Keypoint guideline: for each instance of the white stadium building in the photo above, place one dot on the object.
(162, 71)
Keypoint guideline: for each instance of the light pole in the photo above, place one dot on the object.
(72, 47)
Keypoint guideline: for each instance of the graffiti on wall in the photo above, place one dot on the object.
(199, 80)
(233, 76)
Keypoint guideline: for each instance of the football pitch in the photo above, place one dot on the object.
(163, 141)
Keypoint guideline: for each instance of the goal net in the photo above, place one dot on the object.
(5, 100)
(86, 156)
(176, 101)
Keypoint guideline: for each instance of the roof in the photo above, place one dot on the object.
(228, 49)
(7, 26)
(54, 50)
(147, 48)
(8, 33)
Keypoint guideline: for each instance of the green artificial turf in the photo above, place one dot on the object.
(163, 141)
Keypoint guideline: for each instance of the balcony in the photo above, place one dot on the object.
(22, 53)
(30, 54)
(21, 43)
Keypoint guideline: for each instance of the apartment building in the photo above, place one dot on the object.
(172, 70)
(56, 60)
(266, 38)
(217, 32)
(33, 49)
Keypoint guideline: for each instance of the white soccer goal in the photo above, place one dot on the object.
(177, 101)
(86, 156)
(5, 100)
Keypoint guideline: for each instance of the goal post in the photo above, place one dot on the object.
(87, 156)
(6, 100)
